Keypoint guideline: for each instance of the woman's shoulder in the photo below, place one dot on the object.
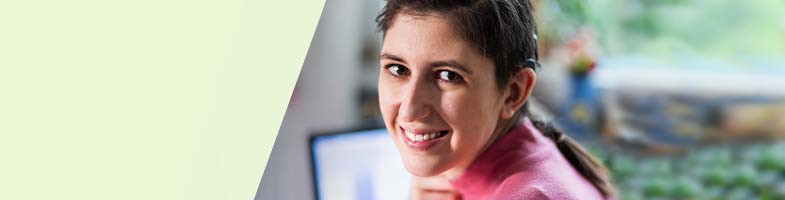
(513, 190)
(544, 186)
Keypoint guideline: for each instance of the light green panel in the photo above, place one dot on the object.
(145, 99)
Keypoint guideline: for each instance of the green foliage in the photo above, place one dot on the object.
(668, 28)
(743, 171)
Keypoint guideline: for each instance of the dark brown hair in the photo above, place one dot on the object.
(505, 32)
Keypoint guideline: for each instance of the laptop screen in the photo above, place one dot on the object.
(358, 165)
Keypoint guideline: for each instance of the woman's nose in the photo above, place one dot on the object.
(417, 102)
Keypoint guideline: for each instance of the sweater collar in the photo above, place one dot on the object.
(509, 154)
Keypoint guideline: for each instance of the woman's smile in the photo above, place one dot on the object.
(423, 139)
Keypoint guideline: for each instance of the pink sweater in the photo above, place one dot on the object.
(523, 164)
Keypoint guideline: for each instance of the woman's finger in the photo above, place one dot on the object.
(432, 188)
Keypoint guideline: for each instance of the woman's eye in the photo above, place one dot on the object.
(449, 76)
(397, 70)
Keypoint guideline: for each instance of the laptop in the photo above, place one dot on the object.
(359, 164)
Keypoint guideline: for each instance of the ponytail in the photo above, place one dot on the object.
(580, 159)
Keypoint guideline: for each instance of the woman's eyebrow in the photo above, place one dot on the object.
(451, 63)
(391, 57)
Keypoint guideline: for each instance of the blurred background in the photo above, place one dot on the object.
(682, 99)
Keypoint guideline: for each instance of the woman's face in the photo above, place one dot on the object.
(437, 94)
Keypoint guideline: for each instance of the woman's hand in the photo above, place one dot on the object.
(436, 187)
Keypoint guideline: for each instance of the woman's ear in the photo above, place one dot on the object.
(517, 91)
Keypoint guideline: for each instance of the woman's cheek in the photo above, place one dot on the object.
(470, 121)
(387, 103)
(456, 118)
(458, 112)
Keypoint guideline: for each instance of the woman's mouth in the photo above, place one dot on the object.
(422, 139)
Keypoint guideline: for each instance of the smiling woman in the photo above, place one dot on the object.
(453, 90)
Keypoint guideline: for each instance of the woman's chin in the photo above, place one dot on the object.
(423, 169)
(422, 173)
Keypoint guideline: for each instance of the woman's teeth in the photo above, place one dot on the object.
(423, 137)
